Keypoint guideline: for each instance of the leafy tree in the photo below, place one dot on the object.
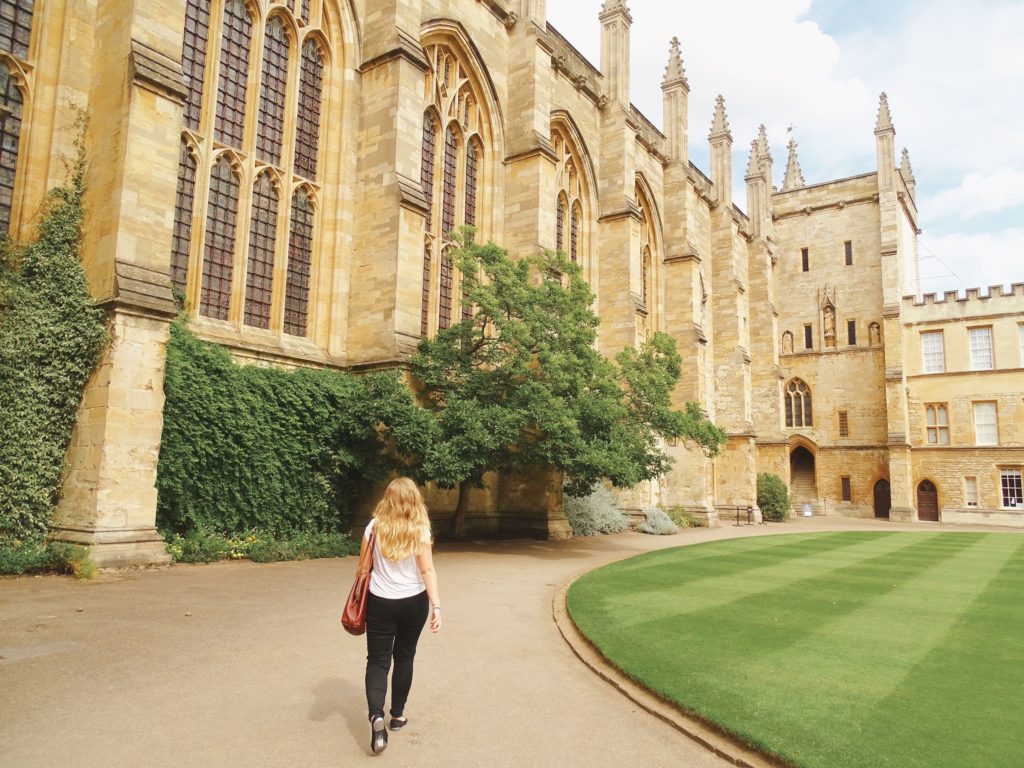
(520, 384)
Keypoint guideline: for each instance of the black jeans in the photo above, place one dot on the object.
(393, 628)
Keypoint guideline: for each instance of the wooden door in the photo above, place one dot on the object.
(883, 499)
(927, 501)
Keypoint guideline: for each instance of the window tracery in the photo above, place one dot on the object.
(275, 58)
(798, 404)
(570, 197)
(452, 175)
(15, 87)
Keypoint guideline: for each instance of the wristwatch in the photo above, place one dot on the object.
(435, 607)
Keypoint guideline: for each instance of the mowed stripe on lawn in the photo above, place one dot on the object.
(794, 655)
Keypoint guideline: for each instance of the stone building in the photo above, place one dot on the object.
(293, 167)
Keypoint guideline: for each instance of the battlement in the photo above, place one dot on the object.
(998, 300)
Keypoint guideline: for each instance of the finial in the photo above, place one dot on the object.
(905, 169)
(884, 122)
(720, 124)
(674, 70)
(794, 176)
(613, 5)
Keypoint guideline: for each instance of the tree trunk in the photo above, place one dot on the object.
(458, 525)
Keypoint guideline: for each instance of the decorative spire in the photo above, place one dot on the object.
(762, 144)
(720, 125)
(754, 164)
(905, 169)
(674, 70)
(884, 122)
(794, 176)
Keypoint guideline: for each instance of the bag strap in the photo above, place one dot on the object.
(366, 561)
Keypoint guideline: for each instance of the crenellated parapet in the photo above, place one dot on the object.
(952, 305)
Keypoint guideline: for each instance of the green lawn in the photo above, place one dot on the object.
(838, 650)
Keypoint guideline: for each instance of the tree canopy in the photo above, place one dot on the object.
(519, 384)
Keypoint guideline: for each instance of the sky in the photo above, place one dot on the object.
(953, 72)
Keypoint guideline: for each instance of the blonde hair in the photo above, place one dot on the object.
(401, 519)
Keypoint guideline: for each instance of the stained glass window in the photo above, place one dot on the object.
(300, 261)
(307, 133)
(183, 201)
(16, 26)
(425, 308)
(270, 126)
(560, 224)
(451, 147)
(259, 273)
(10, 138)
(444, 300)
(471, 171)
(218, 256)
(574, 233)
(427, 163)
(193, 57)
(233, 80)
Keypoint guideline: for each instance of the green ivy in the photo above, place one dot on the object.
(51, 335)
(248, 447)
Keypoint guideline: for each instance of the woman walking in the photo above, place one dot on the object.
(403, 592)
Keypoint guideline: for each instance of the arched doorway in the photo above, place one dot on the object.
(927, 501)
(803, 487)
(883, 499)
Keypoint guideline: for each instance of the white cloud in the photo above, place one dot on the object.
(952, 70)
(978, 194)
(960, 260)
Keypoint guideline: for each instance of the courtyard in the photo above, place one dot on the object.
(246, 664)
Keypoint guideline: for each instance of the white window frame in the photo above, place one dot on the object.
(1010, 495)
(970, 491)
(936, 421)
(933, 356)
(980, 343)
(986, 430)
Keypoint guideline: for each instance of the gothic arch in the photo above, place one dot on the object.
(797, 404)
(451, 33)
(563, 120)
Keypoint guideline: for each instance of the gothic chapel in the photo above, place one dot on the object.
(293, 169)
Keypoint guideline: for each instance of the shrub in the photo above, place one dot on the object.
(17, 558)
(682, 518)
(281, 451)
(772, 497)
(206, 547)
(51, 335)
(657, 522)
(594, 513)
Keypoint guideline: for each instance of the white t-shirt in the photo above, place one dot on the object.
(395, 579)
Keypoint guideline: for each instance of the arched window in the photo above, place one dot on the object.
(193, 57)
(646, 318)
(278, 56)
(300, 260)
(798, 404)
(273, 89)
(219, 254)
(183, 202)
(233, 80)
(311, 83)
(259, 277)
(10, 139)
(451, 173)
(570, 201)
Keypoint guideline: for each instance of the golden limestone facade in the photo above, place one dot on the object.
(293, 169)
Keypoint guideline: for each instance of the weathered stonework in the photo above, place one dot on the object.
(663, 244)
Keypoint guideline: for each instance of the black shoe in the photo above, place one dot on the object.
(378, 735)
(398, 723)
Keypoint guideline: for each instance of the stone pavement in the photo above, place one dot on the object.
(242, 664)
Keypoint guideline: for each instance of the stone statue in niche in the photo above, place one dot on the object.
(875, 334)
(787, 343)
(830, 326)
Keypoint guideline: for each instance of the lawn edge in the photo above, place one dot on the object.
(708, 735)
